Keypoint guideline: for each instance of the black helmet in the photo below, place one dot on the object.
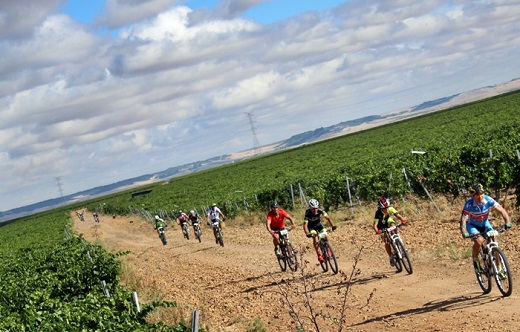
(477, 188)
(274, 205)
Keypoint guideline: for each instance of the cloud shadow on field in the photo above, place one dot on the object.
(455, 303)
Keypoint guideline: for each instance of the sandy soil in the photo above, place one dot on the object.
(235, 285)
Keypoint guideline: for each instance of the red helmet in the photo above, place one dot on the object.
(383, 202)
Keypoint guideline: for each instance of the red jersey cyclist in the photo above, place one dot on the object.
(383, 219)
(275, 223)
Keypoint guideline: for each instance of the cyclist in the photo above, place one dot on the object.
(312, 221)
(214, 215)
(159, 222)
(383, 219)
(96, 216)
(194, 218)
(275, 223)
(182, 218)
(475, 218)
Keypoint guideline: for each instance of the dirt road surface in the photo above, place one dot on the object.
(239, 287)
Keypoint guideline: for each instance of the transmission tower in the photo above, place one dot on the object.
(60, 189)
(256, 145)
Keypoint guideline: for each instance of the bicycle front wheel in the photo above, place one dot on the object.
(330, 257)
(291, 258)
(503, 276)
(483, 275)
(404, 258)
(324, 264)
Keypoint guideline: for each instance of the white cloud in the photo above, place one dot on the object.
(174, 84)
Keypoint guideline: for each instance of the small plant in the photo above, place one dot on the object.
(256, 326)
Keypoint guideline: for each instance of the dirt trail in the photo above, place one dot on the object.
(233, 285)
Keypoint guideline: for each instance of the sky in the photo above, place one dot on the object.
(97, 91)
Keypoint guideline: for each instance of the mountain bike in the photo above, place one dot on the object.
(219, 237)
(197, 231)
(329, 258)
(493, 264)
(185, 230)
(399, 251)
(287, 254)
(162, 236)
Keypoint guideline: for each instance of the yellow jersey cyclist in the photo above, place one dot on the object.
(383, 219)
(312, 221)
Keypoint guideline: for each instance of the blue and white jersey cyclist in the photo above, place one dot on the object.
(475, 217)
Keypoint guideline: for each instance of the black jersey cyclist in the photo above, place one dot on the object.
(312, 221)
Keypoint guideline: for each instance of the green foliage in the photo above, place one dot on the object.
(51, 282)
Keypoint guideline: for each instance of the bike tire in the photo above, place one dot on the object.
(505, 281)
(483, 277)
(199, 235)
(220, 238)
(282, 259)
(398, 264)
(405, 259)
(291, 257)
(163, 239)
(324, 264)
(330, 257)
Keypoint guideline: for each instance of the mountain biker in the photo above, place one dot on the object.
(383, 219)
(182, 219)
(159, 222)
(275, 223)
(194, 218)
(475, 218)
(312, 221)
(214, 215)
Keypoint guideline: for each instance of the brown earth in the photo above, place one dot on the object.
(240, 287)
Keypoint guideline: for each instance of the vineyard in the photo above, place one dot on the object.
(54, 280)
(474, 142)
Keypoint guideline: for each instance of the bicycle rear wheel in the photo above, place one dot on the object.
(503, 278)
(220, 238)
(405, 259)
(483, 275)
(163, 239)
(291, 258)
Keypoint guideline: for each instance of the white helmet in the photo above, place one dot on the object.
(156, 217)
(192, 212)
(313, 203)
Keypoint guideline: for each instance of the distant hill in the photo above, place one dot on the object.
(296, 140)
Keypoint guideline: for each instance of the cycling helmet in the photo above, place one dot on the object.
(477, 188)
(313, 203)
(192, 212)
(214, 204)
(383, 202)
(274, 205)
(156, 217)
(180, 211)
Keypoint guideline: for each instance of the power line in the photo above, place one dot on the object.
(256, 145)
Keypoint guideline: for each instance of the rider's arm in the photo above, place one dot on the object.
(291, 220)
(504, 214)
(463, 220)
(374, 225)
(306, 227)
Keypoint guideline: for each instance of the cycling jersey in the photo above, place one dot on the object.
(159, 223)
(313, 220)
(277, 219)
(183, 217)
(478, 214)
(384, 220)
(214, 213)
(193, 218)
